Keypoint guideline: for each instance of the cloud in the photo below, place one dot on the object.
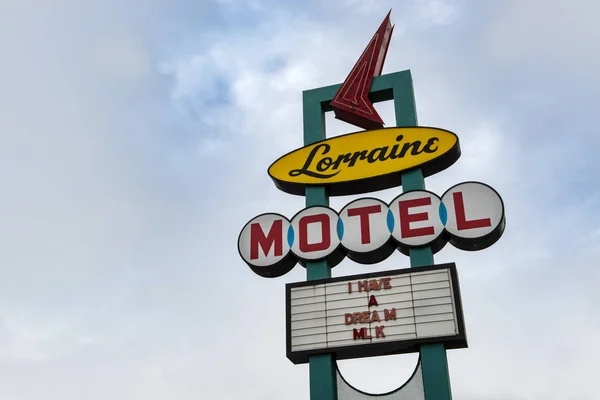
(134, 141)
(545, 36)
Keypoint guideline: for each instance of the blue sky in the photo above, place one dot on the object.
(134, 142)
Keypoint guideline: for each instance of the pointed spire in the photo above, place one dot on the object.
(351, 102)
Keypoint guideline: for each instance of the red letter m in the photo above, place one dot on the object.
(359, 333)
(258, 238)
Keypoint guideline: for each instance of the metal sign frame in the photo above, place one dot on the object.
(398, 87)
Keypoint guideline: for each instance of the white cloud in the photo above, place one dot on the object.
(435, 12)
(553, 36)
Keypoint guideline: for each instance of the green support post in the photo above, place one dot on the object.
(321, 367)
(398, 87)
(434, 364)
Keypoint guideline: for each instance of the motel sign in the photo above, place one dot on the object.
(415, 309)
(469, 215)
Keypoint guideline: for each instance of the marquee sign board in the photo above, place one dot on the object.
(365, 161)
(375, 314)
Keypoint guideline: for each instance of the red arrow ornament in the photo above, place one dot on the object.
(351, 103)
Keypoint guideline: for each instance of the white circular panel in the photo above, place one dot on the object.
(474, 210)
(314, 233)
(264, 246)
(364, 226)
(416, 218)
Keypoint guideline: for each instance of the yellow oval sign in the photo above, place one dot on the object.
(365, 161)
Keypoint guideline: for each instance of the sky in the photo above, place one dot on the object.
(134, 142)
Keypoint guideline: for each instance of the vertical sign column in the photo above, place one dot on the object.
(434, 363)
(322, 369)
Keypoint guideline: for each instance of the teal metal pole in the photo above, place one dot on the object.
(434, 363)
(322, 370)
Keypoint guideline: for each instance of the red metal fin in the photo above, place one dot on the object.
(351, 102)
